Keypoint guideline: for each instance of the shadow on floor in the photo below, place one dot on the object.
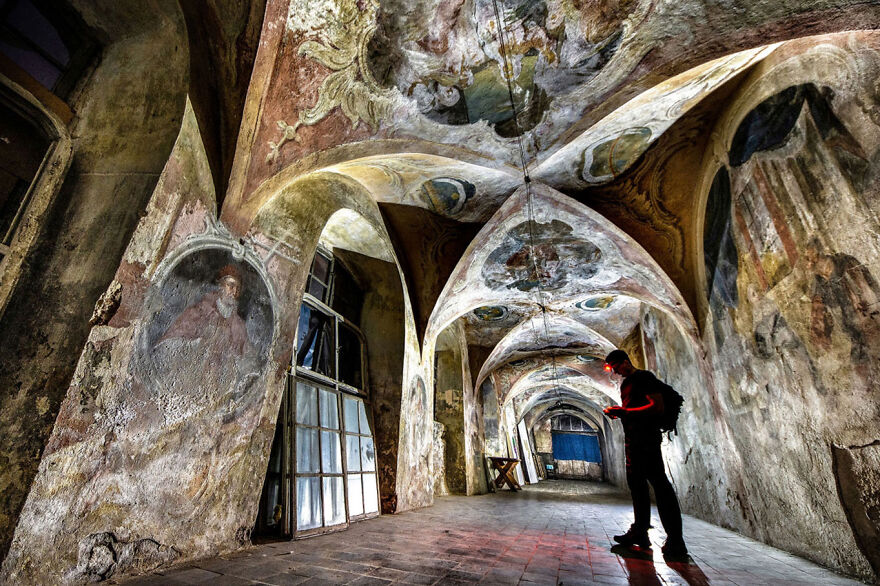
(642, 572)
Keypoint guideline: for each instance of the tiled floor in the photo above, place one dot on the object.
(554, 533)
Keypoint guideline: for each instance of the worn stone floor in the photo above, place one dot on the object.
(558, 532)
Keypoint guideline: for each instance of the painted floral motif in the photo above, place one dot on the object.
(351, 86)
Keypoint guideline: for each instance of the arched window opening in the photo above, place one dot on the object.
(24, 146)
(322, 468)
(45, 41)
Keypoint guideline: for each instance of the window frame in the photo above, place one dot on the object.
(295, 474)
(45, 187)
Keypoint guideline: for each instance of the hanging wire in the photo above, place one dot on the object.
(507, 74)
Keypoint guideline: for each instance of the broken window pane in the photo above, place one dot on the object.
(368, 454)
(365, 426)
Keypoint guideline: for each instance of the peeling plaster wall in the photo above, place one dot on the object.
(127, 110)
(459, 408)
(792, 322)
(474, 426)
(156, 457)
(449, 408)
(440, 488)
(492, 422)
(161, 445)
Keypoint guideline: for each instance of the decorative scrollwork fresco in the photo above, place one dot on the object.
(351, 86)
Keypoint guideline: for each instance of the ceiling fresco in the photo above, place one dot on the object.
(614, 143)
(543, 374)
(433, 72)
(460, 191)
(415, 101)
(553, 337)
(575, 255)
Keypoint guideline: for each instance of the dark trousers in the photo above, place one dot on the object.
(644, 464)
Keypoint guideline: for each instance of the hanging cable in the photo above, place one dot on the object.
(507, 74)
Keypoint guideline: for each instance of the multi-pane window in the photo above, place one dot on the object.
(360, 459)
(320, 489)
(329, 477)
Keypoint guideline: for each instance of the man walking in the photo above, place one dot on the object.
(640, 410)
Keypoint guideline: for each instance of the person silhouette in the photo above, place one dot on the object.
(640, 410)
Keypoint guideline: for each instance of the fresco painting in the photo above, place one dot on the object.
(596, 303)
(793, 296)
(212, 328)
(559, 257)
(446, 195)
(612, 157)
(491, 312)
(719, 247)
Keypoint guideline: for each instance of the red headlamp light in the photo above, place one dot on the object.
(608, 367)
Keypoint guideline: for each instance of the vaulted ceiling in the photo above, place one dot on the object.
(535, 162)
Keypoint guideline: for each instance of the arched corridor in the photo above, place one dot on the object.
(284, 269)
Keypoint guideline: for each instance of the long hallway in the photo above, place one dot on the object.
(558, 532)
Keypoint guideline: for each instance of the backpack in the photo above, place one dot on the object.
(672, 402)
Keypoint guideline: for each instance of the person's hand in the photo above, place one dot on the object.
(614, 411)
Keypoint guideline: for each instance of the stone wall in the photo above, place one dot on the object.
(449, 409)
(127, 110)
(791, 311)
(160, 447)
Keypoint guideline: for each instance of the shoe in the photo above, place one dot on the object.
(674, 548)
(634, 537)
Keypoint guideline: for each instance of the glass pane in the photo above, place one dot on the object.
(368, 454)
(306, 404)
(305, 353)
(331, 453)
(365, 426)
(321, 267)
(308, 503)
(273, 510)
(355, 495)
(329, 409)
(350, 413)
(306, 450)
(371, 494)
(349, 357)
(353, 453)
(334, 501)
(316, 341)
(317, 290)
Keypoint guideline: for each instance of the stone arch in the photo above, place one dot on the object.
(296, 218)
